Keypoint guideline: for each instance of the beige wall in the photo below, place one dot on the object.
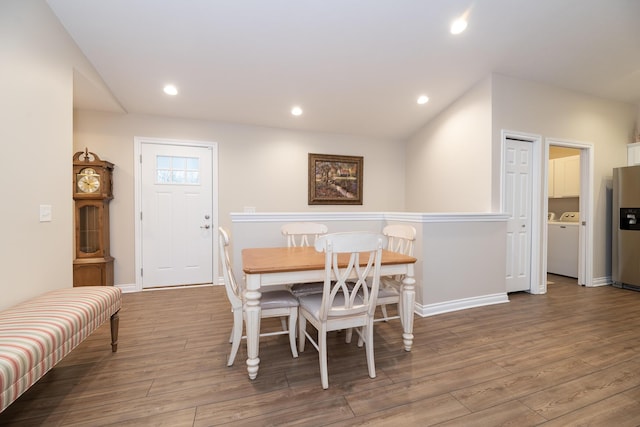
(449, 159)
(453, 162)
(261, 167)
(463, 264)
(557, 113)
(36, 82)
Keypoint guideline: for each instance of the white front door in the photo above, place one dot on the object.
(517, 199)
(176, 218)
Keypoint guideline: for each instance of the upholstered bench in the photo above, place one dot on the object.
(38, 333)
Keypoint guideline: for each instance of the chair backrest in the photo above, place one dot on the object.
(401, 238)
(349, 257)
(299, 233)
(230, 283)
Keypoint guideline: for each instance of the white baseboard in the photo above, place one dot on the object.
(601, 281)
(127, 288)
(461, 304)
(131, 287)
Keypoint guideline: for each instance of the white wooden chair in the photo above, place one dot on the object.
(303, 234)
(341, 306)
(272, 303)
(401, 238)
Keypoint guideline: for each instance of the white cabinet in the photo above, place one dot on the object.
(564, 177)
(633, 154)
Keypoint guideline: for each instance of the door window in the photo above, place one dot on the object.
(177, 170)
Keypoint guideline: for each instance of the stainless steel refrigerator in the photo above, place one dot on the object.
(626, 227)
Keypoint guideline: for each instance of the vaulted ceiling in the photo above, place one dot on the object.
(353, 66)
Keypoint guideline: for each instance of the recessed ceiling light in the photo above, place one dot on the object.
(170, 90)
(296, 111)
(423, 99)
(459, 25)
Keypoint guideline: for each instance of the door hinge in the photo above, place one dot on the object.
(140, 215)
(141, 273)
(140, 158)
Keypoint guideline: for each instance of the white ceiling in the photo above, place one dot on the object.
(354, 66)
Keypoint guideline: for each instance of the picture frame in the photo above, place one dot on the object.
(335, 179)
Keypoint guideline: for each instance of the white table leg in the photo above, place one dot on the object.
(253, 312)
(408, 302)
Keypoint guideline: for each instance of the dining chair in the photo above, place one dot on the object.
(277, 303)
(303, 234)
(300, 233)
(401, 239)
(349, 257)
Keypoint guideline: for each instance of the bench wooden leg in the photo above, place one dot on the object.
(115, 322)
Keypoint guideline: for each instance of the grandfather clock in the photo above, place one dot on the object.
(92, 192)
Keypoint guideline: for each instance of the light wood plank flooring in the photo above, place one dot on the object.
(570, 357)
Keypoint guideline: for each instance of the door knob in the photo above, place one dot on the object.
(206, 227)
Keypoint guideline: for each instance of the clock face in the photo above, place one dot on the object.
(88, 181)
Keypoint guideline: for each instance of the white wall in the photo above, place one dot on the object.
(36, 82)
(449, 160)
(558, 113)
(265, 168)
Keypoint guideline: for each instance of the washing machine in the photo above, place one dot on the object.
(562, 245)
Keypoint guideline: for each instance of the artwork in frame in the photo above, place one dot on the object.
(335, 180)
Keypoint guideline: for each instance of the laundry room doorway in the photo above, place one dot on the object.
(569, 210)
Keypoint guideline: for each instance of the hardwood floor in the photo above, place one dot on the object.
(570, 357)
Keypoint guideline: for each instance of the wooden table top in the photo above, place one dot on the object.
(284, 259)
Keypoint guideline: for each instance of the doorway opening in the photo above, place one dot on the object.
(568, 209)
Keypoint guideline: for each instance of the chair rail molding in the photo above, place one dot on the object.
(366, 216)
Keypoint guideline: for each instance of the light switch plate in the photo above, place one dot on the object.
(45, 213)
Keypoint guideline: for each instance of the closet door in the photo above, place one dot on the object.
(518, 188)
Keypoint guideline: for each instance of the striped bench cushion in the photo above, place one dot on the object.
(38, 333)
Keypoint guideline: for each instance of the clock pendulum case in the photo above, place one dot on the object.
(92, 192)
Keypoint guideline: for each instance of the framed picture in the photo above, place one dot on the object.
(335, 180)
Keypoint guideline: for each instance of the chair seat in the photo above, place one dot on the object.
(300, 289)
(311, 303)
(277, 299)
(387, 295)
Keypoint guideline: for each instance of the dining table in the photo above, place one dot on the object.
(277, 266)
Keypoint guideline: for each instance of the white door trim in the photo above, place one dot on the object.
(137, 152)
(537, 285)
(585, 245)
